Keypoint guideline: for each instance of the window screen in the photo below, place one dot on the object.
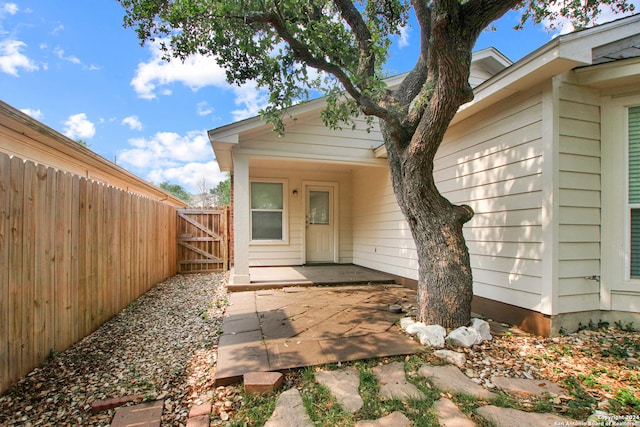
(634, 189)
(267, 211)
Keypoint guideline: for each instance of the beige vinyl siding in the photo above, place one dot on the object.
(309, 138)
(291, 253)
(579, 199)
(493, 162)
(381, 237)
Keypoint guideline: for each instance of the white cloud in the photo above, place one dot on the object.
(167, 149)
(36, 114)
(195, 72)
(11, 59)
(60, 54)
(10, 8)
(178, 159)
(250, 99)
(204, 109)
(403, 38)
(152, 78)
(57, 29)
(133, 122)
(189, 175)
(564, 26)
(78, 126)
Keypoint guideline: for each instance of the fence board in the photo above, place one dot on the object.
(5, 193)
(5, 209)
(73, 253)
(15, 268)
(28, 266)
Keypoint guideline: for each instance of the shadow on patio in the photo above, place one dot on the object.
(277, 329)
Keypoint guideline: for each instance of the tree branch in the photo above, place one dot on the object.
(478, 14)
(304, 54)
(348, 11)
(412, 84)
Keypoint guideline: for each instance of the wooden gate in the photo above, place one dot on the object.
(203, 240)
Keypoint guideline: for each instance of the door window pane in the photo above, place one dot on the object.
(318, 207)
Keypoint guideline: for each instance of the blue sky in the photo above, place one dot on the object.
(71, 65)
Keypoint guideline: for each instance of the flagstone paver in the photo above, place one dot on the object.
(449, 415)
(449, 378)
(527, 387)
(343, 384)
(198, 410)
(508, 417)
(148, 414)
(288, 328)
(290, 411)
(199, 421)
(394, 419)
(394, 384)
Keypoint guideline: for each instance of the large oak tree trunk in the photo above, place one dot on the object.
(445, 283)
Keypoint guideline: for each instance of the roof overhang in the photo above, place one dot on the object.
(564, 53)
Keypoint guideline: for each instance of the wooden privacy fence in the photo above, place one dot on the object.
(73, 253)
(203, 240)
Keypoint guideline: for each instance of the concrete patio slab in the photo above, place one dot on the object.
(313, 275)
(295, 327)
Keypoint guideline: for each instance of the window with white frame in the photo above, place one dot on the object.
(634, 192)
(268, 216)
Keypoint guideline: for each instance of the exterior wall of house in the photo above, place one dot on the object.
(619, 292)
(381, 237)
(492, 162)
(308, 138)
(292, 253)
(578, 198)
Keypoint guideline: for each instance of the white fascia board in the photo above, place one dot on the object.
(609, 73)
(579, 45)
(533, 69)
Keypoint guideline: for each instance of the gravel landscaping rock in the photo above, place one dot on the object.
(163, 346)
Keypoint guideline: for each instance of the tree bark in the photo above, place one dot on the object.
(445, 282)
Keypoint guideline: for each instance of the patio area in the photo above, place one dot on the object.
(310, 275)
(303, 324)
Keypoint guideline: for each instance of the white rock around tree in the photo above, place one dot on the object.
(483, 328)
(432, 335)
(464, 337)
(405, 322)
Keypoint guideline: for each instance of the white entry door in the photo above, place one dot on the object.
(320, 235)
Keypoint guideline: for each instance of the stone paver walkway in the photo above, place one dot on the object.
(278, 329)
(344, 383)
(341, 384)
